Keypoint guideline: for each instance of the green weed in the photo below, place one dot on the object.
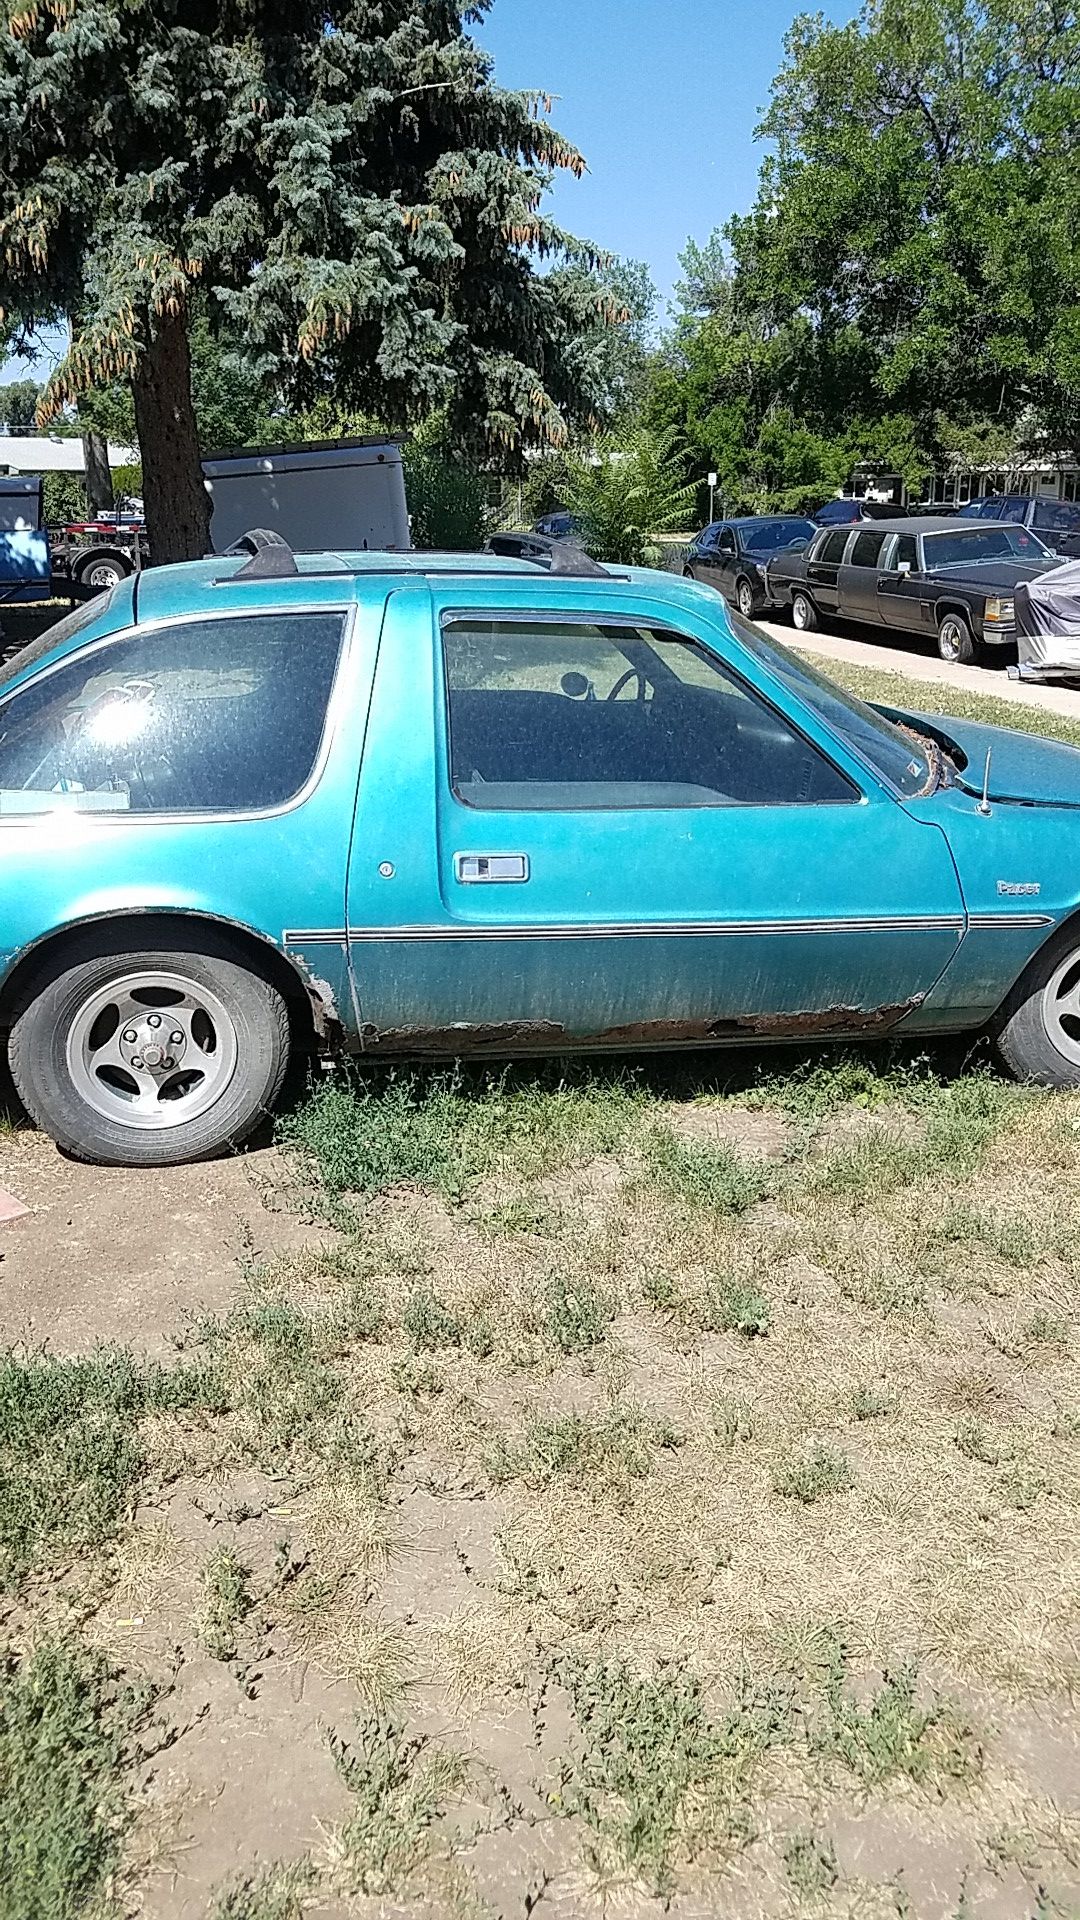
(653, 1777)
(614, 1449)
(734, 1304)
(871, 1403)
(715, 1177)
(65, 1727)
(70, 1454)
(810, 1864)
(816, 1475)
(275, 1893)
(1008, 1236)
(732, 1420)
(428, 1322)
(889, 1732)
(227, 1601)
(577, 1313)
(445, 1130)
(399, 1785)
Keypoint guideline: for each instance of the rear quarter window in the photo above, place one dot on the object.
(203, 716)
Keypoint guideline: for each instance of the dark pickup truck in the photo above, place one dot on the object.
(943, 577)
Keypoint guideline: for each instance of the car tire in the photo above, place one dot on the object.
(744, 598)
(804, 614)
(955, 640)
(1037, 1031)
(82, 1081)
(104, 572)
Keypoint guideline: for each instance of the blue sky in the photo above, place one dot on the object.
(661, 96)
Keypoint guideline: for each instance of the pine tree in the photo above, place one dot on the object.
(339, 187)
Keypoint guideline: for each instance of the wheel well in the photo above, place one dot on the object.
(945, 607)
(308, 1016)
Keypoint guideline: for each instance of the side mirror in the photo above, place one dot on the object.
(904, 566)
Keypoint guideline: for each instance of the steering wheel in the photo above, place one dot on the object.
(632, 673)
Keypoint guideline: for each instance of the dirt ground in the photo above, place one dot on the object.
(638, 1602)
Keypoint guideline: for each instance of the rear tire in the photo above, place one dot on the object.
(804, 614)
(215, 1035)
(955, 640)
(1037, 1031)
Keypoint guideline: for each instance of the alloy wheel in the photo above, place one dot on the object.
(1061, 1007)
(152, 1050)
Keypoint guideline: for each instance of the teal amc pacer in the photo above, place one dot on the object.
(438, 805)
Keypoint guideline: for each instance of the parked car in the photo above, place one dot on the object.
(732, 555)
(846, 511)
(558, 526)
(914, 575)
(1056, 522)
(427, 805)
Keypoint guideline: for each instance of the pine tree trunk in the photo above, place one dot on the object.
(176, 501)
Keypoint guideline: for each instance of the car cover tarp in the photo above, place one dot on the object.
(1048, 622)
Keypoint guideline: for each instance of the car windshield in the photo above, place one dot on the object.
(766, 536)
(1057, 516)
(905, 759)
(969, 545)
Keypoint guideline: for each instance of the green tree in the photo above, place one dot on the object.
(925, 190)
(629, 491)
(611, 353)
(18, 401)
(338, 186)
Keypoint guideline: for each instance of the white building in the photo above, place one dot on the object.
(54, 453)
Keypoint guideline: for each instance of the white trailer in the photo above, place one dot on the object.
(323, 494)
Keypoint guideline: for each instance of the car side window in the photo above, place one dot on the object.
(547, 715)
(200, 716)
(832, 548)
(867, 550)
(904, 554)
(727, 543)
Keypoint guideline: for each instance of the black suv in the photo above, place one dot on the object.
(936, 576)
(1057, 522)
(732, 556)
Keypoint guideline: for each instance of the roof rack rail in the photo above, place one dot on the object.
(270, 557)
(558, 556)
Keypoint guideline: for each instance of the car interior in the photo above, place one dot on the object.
(655, 739)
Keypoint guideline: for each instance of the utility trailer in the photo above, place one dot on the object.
(317, 495)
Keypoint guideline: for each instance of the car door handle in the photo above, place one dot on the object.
(471, 868)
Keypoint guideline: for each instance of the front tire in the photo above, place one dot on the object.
(149, 1058)
(955, 641)
(804, 615)
(744, 599)
(1037, 1032)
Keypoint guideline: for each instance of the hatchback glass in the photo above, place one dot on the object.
(199, 716)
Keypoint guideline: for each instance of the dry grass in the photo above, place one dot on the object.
(718, 1496)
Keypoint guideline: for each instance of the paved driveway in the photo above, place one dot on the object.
(920, 662)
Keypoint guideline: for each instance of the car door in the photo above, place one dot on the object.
(823, 568)
(857, 596)
(723, 560)
(703, 561)
(578, 823)
(901, 590)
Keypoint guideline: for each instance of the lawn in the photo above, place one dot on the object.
(647, 1489)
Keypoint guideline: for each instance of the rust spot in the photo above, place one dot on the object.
(324, 1012)
(549, 1036)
